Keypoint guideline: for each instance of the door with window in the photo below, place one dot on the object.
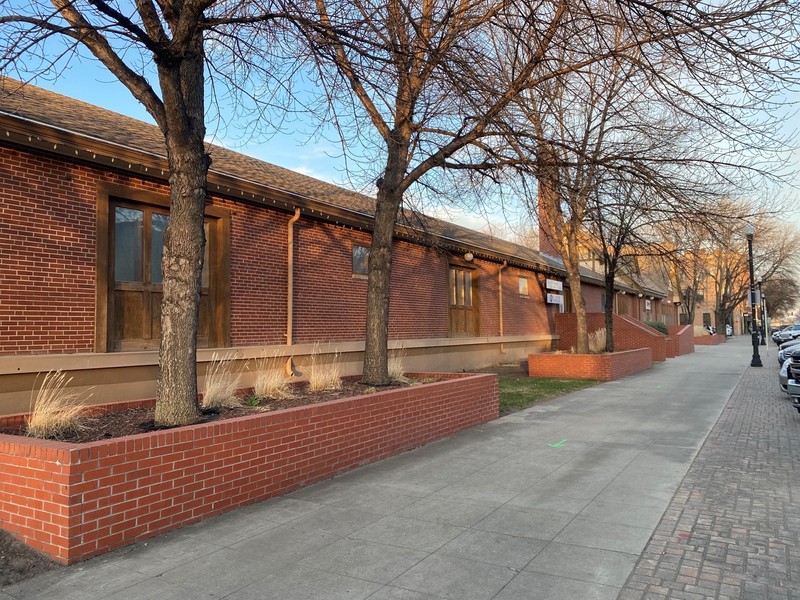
(137, 244)
(463, 304)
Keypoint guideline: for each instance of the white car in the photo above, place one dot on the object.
(789, 333)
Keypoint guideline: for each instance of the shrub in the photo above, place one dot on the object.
(221, 383)
(56, 411)
(658, 325)
(597, 341)
(324, 372)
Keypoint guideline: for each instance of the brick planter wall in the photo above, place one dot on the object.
(629, 334)
(75, 501)
(682, 339)
(709, 340)
(602, 367)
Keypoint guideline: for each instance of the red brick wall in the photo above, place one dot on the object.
(601, 367)
(47, 252)
(77, 501)
(682, 339)
(593, 294)
(629, 334)
(330, 304)
(47, 270)
(709, 340)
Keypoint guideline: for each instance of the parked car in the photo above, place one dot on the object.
(784, 348)
(792, 366)
(789, 333)
(783, 377)
(776, 333)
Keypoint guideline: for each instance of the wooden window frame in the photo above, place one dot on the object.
(356, 273)
(107, 194)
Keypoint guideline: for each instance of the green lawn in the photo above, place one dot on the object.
(517, 393)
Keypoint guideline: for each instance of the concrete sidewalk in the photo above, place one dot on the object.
(555, 502)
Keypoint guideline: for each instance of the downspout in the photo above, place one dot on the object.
(290, 369)
(500, 302)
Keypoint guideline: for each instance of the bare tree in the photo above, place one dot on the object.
(781, 295)
(660, 115)
(414, 82)
(157, 50)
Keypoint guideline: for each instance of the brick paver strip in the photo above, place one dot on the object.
(732, 529)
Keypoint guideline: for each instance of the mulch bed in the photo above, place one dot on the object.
(132, 421)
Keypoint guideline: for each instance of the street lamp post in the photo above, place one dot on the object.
(763, 314)
(749, 232)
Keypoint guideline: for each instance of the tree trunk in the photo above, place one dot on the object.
(389, 198)
(184, 239)
(609, 291)
(582, 333)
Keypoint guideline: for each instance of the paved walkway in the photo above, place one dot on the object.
(732, 530)
(556, 502)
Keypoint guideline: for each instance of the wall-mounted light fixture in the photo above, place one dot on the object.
(468, 257)
(640, 295)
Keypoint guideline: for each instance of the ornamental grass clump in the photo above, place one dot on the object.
(397, 370)
(597, 342)
(324, 372)
(270, 381)
(221, 383)
(56, 412)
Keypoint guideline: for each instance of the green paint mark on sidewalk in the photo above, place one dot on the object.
(557, 444)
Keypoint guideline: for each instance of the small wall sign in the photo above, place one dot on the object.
(555, 299)
(554, 284)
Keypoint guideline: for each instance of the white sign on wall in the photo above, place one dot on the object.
(555, 299)
(554, 284)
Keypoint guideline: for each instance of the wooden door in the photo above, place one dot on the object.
(137, 243)
(463, 305)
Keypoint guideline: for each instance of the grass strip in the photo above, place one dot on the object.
(518, 393)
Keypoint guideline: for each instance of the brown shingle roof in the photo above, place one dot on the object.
(88, 123)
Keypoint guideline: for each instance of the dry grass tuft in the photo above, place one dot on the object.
(597, 341)
(397, 370)
(56, 411)
(221, 383)
(270, 380)
(324, 372)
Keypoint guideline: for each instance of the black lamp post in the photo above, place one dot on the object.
(749, 232)
(763, 314)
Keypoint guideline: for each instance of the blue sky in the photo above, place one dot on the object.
(88, 81)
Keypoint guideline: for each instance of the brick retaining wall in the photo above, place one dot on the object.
(709, 340)
(629, 334)
(601, 367)
(75, 501)
(681, 340)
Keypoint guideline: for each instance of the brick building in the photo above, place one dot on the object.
(83, 208)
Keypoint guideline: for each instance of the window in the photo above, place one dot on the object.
(523, 286)
(460, 287)
(360, 260)
(130, 244)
